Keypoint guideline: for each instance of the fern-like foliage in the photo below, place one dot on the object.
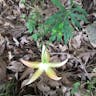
(60, 25)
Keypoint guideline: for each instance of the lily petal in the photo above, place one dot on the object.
(51, 74)
(30, 64)
(59, 64)
(35, 76)
(45, 57)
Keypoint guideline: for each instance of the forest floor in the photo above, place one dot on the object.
(78, 75)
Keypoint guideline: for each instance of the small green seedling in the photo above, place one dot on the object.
(43, 66)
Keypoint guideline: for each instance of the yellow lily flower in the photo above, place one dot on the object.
(43, 66)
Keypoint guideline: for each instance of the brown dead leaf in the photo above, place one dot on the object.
(76, 41)
(55, 58)
(43, 87)
(86, 56)
(10, 55)
(26, 72)
(63, 47)
(16, 41)
(51, 93)
(2, 44)
(93, 74)
(16, 66)
(3, 66)
(24, 40)
(65, 79)
(53, 84)
(91, 31)
(24, 82)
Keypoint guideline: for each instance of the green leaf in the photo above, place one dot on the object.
(75, 88)
(54, 18)
(67, 31)
(30, 25)
(57, 4)
(79, 9)
(59, 36)
(60, 24)
(23, 1)
(75, 21)
(52, 38)
(80, 17)
(31, 22)
(35, 37)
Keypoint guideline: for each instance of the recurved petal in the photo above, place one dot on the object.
(30, 64)
(59, 64)
(35, 76)
(51, 74)
(45, 57)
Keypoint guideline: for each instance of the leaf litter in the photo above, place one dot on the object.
(15, 44)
